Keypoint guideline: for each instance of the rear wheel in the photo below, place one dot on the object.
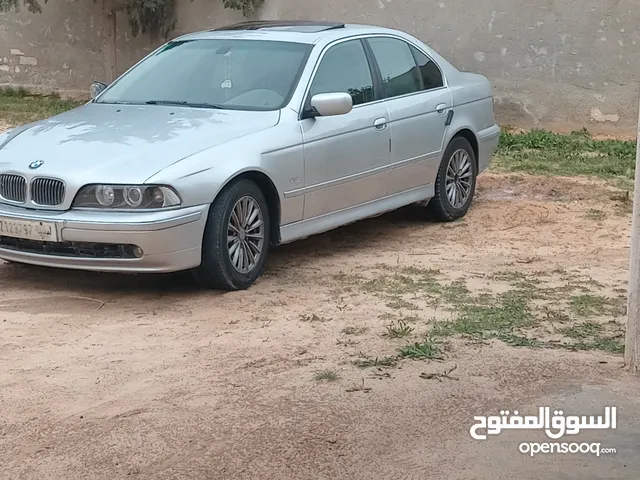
(456, 182)
(236, 239)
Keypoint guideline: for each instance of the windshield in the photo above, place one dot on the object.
(217, 73)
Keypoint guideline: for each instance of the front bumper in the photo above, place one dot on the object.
(170, 240)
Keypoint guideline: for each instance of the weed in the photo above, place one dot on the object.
(427, 349)
(506, 276)
(520, 341)
(328, 375)
(313, 318)
(425, 272)
(398, 329)
(376, 362)
(359, 388)
(439, 376)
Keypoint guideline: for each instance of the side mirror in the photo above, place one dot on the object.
(330, 104)
(97, 88)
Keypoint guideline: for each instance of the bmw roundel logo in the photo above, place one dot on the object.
(36, 164)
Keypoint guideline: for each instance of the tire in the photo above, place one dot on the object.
(441, 207)
(223, 264)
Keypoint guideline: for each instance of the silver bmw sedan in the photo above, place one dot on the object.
(225, 143)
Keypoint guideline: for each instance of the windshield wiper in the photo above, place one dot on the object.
(182, 104)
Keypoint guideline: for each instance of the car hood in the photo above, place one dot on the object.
(122, 143)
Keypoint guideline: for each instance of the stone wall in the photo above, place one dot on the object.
(561, 64)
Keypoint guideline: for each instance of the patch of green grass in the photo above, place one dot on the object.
(398, 303)
(591, 336)
(595, 214)
(545, 153)
(606, 344)
(520, 341)
(19, 92)
(327, 375)
(589, 305)
(17, 106)
(582, 330)
(398, 329)
(527, 310)
(376, 362)
(455, 293)
(419, 271)
(416, 282)
(425, 350)
(511, 312)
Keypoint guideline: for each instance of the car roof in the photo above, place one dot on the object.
(300, 31)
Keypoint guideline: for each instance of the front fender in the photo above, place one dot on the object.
(276, 152)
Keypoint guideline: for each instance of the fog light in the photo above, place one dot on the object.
(137, 251)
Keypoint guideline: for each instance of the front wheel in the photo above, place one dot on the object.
(236, 239)
(455, 183)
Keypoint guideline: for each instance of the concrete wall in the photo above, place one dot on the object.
(561, 64)
(61, 49)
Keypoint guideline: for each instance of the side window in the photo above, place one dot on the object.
(344, 68)
(400, 74)
(431, 76)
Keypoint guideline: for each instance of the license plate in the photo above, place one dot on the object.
(28, 230)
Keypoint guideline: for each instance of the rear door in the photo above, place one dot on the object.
(418, 104)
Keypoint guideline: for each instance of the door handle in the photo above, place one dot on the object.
(380, 123)
(441, 108)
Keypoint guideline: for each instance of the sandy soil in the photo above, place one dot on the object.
(110, 377)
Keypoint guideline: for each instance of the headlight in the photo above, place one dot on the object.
(127, 197)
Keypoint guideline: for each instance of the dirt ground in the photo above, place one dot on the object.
(109, 377)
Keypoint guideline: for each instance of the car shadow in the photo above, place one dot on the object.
(369, 232)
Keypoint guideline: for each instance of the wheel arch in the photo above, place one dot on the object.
(270, 193)
(468, 135)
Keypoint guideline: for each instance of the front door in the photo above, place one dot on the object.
(346, 157)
